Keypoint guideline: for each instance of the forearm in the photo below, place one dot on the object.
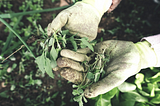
(155, 44)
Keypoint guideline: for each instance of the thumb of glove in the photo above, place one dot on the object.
(57, 23)
(81, 19)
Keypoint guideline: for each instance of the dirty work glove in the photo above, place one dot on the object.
(82, 18)
(126, 59)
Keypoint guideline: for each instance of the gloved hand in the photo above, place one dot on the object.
(126, 59)
(82, 18)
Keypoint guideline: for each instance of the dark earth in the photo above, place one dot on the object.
(130, 21)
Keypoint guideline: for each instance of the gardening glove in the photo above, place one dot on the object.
(126, 59)
(82, 18)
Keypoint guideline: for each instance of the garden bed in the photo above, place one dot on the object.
(22, 83)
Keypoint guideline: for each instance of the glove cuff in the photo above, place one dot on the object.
(155, 44)
(101, 5)
(147, 54)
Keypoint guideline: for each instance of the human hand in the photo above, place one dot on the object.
(124, 62)
(81, 19)
(115, 3)
(126, 59)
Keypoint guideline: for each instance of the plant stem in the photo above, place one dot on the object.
(4, 22)
(31, 12)
(10, 36)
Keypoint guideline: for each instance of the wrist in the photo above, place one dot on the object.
(100, 5)
(147, 54)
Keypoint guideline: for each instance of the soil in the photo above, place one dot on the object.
(145, 22)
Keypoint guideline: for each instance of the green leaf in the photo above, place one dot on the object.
(40, 60)
(144, 93)
(85, 42)
(139, 80)
(151, 87)
(48, 67)
(155, 78)
(4, 94)
(134, 96)
(55, 95)
(51, 42)
(85, 100)
(154, 69)
(12, 87)
(156, 100)
(80, 90)
(74, 86)
(90, 75)
(104, 99)
(126, 87)
(96, 77)
(38, 82)
(73, 43)
(48, 99)
(142, 104)
(127, 103)
(81, 103)
(64, 32)
(75, 92)
(77, 98)
(20, 38)
(53, 63)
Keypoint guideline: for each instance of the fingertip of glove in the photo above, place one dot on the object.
(60, 62)
(89, 93)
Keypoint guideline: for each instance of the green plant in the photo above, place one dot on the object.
(135, 19)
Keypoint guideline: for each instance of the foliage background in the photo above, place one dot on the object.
(22, 83)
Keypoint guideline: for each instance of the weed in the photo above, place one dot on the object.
(23, 80)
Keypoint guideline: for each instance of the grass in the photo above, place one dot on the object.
(23, 80)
